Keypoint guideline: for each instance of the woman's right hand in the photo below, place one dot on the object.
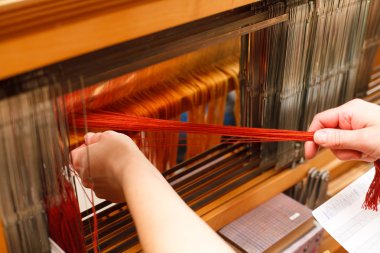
(105, 160)
(351, 131)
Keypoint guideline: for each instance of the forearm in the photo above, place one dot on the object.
(164, 222)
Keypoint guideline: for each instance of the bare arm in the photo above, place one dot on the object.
(118, 171)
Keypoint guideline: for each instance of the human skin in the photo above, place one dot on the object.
(351, 131)
(112, 165)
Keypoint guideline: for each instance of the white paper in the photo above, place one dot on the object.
(342, 216)
(54, 248)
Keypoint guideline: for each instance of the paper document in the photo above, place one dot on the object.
(356, 229)
(54, 248)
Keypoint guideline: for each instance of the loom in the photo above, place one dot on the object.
(280, 61)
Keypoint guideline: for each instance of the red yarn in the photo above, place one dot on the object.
(65, 226)
(372, 199)
(123, 122)
(91, 199)
(95, 229)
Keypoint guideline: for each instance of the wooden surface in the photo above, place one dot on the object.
(329, 245)
(376, 62)
(28, 48)
(355, 171)
(249, 199)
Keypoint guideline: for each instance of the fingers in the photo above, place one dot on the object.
(350, 130)
(326, 119)
(77, 156)
(310, 149)
(110, 132)
(344, 154)
(346, 144)
(91, 138)
(329, 118)
(339, 139)
(79, 160)
(347, 155)
(340, 117)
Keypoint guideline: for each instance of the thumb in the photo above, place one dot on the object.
(338, 139)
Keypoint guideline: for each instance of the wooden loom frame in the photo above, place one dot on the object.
(59, 37)
(28, 48)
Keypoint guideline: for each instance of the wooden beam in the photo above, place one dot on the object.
(236, 192)
(239, 205)
(55, 42)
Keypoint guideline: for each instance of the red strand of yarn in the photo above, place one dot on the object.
(372, 199)
(65, 222)
(95, 243)
(95, 218)
(123, 122)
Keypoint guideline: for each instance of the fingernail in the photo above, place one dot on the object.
(320, 137)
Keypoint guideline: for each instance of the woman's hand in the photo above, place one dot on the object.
(351, 131)
(115, 168)
(105, 160)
